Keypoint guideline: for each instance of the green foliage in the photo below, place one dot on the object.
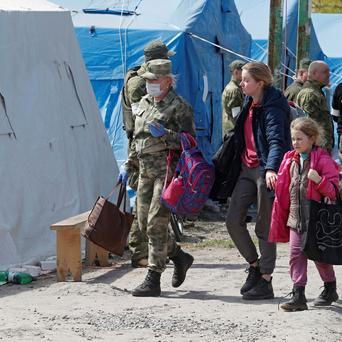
(327, 6)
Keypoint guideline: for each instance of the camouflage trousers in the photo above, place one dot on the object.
(153, 218)
(138, 241)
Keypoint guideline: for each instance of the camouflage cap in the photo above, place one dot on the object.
(304, 63)
(157, 68)
(157, 50)
(237, 64)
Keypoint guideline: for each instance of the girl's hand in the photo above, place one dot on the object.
(271, 179)
(314, 176)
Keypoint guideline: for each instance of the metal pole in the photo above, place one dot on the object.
(304, 28)
(275, 40)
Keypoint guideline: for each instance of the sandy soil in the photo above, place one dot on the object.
(207, 307)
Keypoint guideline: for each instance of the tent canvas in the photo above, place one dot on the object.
(111, 44)
(56, 157)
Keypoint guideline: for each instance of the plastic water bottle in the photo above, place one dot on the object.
(3, 277)
(19, 278)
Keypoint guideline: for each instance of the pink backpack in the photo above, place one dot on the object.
(192, 181)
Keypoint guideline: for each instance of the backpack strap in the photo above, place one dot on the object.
(187, 141)
(169, 160)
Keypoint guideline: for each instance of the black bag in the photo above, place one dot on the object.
(227, 163)
(108, 226)
(324, 235)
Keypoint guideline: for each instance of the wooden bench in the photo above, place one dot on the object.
(68, 247)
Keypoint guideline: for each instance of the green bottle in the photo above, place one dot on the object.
(19, 278)
(3, 277)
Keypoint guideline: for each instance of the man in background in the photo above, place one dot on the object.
(293, 89)
(232, 97)
(312, 100)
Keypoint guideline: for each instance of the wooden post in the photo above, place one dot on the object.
(304, 30)
(275, 40)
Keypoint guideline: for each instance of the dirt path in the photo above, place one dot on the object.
(208, 306)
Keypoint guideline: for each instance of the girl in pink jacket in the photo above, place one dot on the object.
(306, 173)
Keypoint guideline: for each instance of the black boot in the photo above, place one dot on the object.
(182, 262)
(253, 277)
(150, 286)
(298, 300)
(262, 290)
(328, 295)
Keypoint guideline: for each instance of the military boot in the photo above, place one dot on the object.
(298, 300)
(328, 295)
(182, 262)
(150, 286)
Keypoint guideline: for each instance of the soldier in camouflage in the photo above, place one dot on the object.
(293, 89)
(312, 100)
(133, 91)
(232, 97)
(162, 115)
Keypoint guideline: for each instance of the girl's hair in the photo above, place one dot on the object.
(310, 128)
(259, 72)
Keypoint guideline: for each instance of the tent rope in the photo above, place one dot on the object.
(123, 61)
(220, 47)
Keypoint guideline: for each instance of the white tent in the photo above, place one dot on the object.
(55, 154)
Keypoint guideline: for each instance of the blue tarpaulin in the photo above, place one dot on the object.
(112, 43)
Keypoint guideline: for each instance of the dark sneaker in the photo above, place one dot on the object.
(262, 290)
(150, 286)
(253, 277)
(327, 296)
(298, 300)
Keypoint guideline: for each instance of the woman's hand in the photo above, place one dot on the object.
(271, 179)
(314, 176)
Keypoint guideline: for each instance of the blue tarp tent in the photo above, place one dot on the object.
(112, 41)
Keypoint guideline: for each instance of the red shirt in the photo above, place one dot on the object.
(249, 155)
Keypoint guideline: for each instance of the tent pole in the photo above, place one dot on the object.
(303, 31)
(275, 40)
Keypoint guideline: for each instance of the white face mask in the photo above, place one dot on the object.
(153, 89)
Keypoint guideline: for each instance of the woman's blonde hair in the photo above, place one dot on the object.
(310, 128)
(259, 72)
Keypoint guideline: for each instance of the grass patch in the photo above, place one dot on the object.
(212, 244)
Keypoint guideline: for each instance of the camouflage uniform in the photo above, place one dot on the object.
(133, 91)
(293, 90)
(312, 100)
(232, 97)
(176, 116)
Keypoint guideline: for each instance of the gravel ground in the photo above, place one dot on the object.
(207, 307)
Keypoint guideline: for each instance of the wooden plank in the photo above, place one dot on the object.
(96, 255)
(77, 222)
(69, 255)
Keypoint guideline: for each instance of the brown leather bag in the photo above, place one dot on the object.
(108, 226)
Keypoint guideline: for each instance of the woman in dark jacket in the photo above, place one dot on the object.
(262, 136)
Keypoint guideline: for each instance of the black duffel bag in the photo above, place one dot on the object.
(227, 163)
(324, 235)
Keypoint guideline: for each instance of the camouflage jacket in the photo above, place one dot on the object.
(232, 97)
(132, 92)
(292, 91)
(174, 113)
(312, 100)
